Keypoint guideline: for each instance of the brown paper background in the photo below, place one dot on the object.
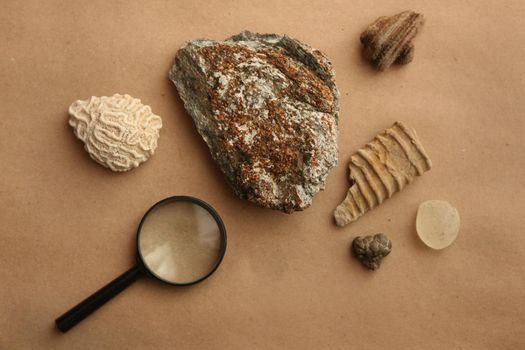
(287, 281)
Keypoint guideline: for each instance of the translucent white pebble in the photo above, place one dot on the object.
(437, 223)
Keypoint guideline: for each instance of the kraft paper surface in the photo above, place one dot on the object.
(287, 281)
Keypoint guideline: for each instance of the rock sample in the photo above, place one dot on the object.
(371, 250)
(118, 132)
(381, 168)
(437, 223)
(267, 107)
(389, 39)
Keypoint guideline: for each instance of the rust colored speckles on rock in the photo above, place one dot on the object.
(267, 106)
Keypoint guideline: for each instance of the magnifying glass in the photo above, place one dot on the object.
(180, 241)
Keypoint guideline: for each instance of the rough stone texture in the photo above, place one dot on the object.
(267, 107)
(118, 132)
(371, 250)
(383, 167)
(389, 39)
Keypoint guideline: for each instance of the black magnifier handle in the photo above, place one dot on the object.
(96, 300)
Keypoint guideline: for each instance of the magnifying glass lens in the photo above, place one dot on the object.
(179, 242)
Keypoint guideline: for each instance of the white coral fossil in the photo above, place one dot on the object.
(119, 132)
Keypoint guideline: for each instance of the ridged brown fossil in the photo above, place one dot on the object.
(389, 39)
(381, 168)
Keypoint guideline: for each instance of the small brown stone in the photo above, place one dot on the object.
(371, 250)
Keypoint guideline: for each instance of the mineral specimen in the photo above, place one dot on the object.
(118, 132)
(389, 39)
(371, 250)
(381, 168)
(437, 223)
(267, 107)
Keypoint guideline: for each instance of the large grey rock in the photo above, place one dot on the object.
(267, 106)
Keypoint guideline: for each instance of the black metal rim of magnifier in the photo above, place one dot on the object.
(209, 209)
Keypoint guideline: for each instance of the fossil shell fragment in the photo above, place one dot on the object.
(389, 39)
(381, 168)
(437, 223)
(118, 132)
